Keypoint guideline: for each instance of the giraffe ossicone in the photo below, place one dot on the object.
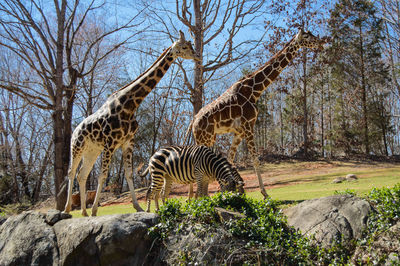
(235, 111)
(114, 125)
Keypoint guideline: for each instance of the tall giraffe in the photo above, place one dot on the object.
(114, 125)
(235, 111)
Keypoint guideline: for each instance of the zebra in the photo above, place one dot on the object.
(186, 165)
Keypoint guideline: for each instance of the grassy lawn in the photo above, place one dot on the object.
(294, 183)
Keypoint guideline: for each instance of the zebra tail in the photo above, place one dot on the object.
(145, 172)
(187, 134)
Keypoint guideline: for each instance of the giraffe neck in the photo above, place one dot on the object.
(265, 75)
(135, 92)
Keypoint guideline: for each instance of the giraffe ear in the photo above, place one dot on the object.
(299, 35)
(181, 37)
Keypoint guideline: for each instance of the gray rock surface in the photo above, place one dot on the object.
(105, 240)
(351, 177)
(26, 239)
(330, 218)
(53, 216)
(339, 179)
(226, 215)
(121, 239)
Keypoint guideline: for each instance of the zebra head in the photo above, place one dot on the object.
(232, 181)
(238, 180)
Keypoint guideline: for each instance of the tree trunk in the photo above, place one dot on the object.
(198, 89)
(305, 111)
(364, 94)
(322, 120)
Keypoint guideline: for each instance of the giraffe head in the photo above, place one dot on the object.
(308, 40)
(183, 48)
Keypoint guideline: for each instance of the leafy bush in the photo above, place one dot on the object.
(263, 236)
(264, 231)
(386, 203)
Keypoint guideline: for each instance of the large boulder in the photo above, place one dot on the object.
(32, 238)
(27, 239)
(339, 217)
(120, 239)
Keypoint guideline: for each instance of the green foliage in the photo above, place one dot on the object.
(347, 191)
(264, 231)
(386, 203)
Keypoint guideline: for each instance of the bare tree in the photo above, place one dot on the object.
(51, 42)
(215, 26)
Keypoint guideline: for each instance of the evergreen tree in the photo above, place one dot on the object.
(357, 67)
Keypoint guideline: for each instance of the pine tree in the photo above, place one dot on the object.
(356, 65)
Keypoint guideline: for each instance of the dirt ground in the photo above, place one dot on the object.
(274, 175)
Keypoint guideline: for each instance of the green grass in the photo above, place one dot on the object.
(321, 185)
(119, 209)
(302, 186)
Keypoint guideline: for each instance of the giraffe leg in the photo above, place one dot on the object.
(256, 163)
(88, 161)
(105, 163)
(127, 157)
(71, 175)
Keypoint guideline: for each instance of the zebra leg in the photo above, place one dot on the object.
(105, 163)
(167, 189)
(127, 149)
(149, 196)
(190, 194)
(204, 192)
(157, 182)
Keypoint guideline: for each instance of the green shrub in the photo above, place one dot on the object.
(264, 232)
(263, 235)
(386, 203)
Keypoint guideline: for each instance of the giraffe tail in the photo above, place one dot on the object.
(187, 134)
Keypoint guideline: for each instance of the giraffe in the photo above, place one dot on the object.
(235, 111)
(114, 125)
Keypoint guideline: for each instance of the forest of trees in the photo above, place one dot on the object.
(60, 60)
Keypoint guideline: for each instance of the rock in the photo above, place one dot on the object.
(26, 239)
(384, 250)
(226, 215)
(330, 218)
(120, 239)
(351, 177)
(53, 216)
(339, 179)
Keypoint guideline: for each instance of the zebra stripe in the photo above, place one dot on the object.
(186, 165)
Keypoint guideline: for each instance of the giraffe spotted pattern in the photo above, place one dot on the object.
(114, 125)
(235, 111)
